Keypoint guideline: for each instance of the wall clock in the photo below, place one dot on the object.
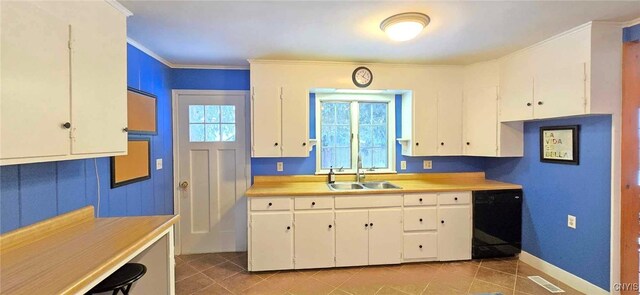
(362, 77)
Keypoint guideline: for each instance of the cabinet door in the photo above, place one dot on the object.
(561, 92)
(454, 233)
(295, 121)
(314, 240)
(385, 236)
(35, 82)
(516, 90)
(450, 122)
(352, 237)
(266, 120)
(271, 241)
(424, 123)
(98, 79)
(480, 121)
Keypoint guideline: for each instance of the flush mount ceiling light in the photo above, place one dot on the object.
(404, 26)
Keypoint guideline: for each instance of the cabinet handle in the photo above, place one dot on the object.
(456, 198)
(304, 144)
(442, 221)
(420, 246)
(468, 143)
(275, 144)
(420, 200)
(270, 204)
(125, 129)
(366, 225)
(540, 103)
(442, 143)
(288, 227)
(313, 203)
(420, 219)
(371, 224)
(528, 104)
(417, 143)
(66, 125)
(330, 226)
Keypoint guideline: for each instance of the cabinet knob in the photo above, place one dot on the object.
(270, 204)
(528, 104)
(540, 103)
(456, 198)
(366, 225)
(420, 246)
(417, 143)
(66, 125)
(125, 129)
(371, 224)
(420, 200)
(304, 144)
(420, 219)
(288, 227)
(468, 143)
(275, 144)
(330, 226)
(442, 221)
(442, 143)
(313, 203)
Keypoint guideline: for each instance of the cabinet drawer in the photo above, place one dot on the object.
(369, 201)
(423, 245)
(454, 198)
(420, 219)
(421, 200)
(309, 203)
(270, 204)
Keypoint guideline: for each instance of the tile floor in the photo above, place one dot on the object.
(225, 273)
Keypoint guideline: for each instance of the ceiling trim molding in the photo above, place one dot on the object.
(632, 23)
(120, 7)
(209, 67)
(353, 63)
(148, 51)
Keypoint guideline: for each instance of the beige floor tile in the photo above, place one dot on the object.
(286, 280)
(479, 287)
(222, 271)
(213, 289)
(496, 277)
(339, 292)
(525, 270)
(192, 284)
(363, 282)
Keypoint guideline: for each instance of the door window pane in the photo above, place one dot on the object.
(212, 123)
(335, 130)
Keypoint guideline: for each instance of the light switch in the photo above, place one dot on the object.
(279, 166)
(571, 221)
(158, 164)
(426, 164)
(403, 165)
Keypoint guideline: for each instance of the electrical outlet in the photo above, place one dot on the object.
(279, 166)
(426, 164)
(571, 221)
(403, 165)
(158, 164)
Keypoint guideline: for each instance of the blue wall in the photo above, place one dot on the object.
(552, 191)
(631, 34)
(33, 192)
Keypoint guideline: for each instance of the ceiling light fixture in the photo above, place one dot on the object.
(404, 26)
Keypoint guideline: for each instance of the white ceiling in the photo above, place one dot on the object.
(229, 32)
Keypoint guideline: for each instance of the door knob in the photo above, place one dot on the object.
(442, 143)
(420, 200)
(371, 224)
(304, 144)
(366, 225)
(275, 144)
(184, 184)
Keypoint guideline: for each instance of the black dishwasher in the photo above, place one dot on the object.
(497, 223)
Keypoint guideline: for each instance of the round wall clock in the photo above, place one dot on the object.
(362, 77)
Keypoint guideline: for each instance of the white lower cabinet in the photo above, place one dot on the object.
(322, 232)
(314, 239)
(271, 241)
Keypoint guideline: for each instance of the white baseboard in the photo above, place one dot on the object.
(562, 275)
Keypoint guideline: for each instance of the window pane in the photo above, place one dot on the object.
(228, 114)
(379, 134)
(328, 135)
(196, 114)
(343, 158)
(343, 113)
(365, 113)
(212, 132)
(196, 132)
(212, 114)
(328, 113)
(343, 136)
(379, 113)
(228, 132)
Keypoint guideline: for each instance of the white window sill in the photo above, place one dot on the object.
(365, 172)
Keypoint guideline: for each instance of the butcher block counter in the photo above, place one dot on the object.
(71, 253)
(316, 185)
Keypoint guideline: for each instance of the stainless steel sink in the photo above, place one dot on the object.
(380, 185)
(374, 185)
(345, 186)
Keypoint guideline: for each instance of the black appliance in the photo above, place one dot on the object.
(497, 223)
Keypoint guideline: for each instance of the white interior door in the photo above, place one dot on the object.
(212, 171)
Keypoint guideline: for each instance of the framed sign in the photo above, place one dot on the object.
(560, 144)
(133, 167)
(141, 112)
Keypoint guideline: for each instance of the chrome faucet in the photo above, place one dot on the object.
(359, 176)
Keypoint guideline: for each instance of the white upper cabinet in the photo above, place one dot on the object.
(64, 81)
(450, 121)
(266, 110)
(568, 75)
(420, 123)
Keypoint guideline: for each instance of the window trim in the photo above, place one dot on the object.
(354, 99)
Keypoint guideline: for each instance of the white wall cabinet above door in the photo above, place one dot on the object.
(63, 63)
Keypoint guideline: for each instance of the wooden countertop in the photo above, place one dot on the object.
(65, 254)
(305, 185)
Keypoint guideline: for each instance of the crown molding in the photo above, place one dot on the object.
(632, 23)
(120, 7)
(148, 51)
(210, 67)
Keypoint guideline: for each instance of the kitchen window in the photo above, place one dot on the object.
(352, 125)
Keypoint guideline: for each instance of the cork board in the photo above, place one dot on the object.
(135, 166)
(141, 112)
